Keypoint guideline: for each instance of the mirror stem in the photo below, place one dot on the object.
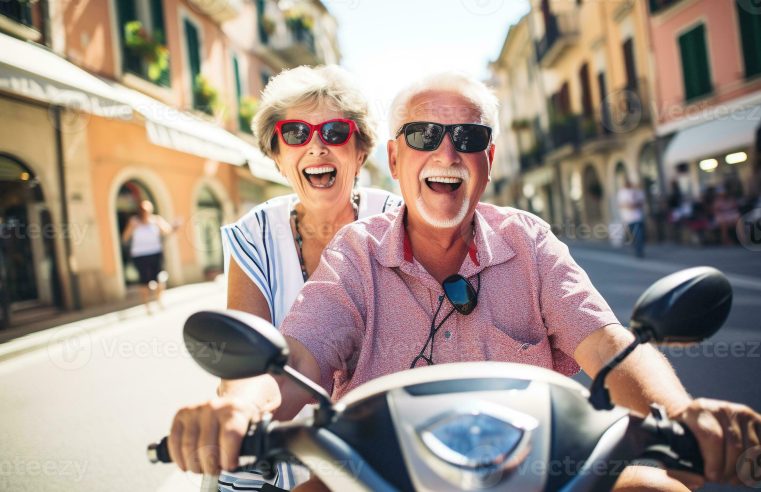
(325, 412)
(599, 395)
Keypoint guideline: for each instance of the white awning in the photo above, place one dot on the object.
(177, 130)
(32, 71)
(731, 132)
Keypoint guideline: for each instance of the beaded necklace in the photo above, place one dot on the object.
(299, 241)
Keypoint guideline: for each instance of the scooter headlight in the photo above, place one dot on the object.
(479, 447)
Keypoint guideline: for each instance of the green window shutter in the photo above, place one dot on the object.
(194, 56)
(695, 69)
(750, 30)
(131, 62)
(238, 85)
(159, 30)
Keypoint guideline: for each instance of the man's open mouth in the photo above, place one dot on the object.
(441, 184)
(320, 177)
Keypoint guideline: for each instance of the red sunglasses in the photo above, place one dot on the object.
(332, 132)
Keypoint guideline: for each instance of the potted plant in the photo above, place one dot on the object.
(151, 48)
(205, 96)
(247, 108)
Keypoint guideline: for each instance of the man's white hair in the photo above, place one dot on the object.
(467, 86)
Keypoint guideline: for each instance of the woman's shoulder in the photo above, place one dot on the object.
(272, 212)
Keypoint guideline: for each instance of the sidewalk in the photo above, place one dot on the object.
(15, 341)
(734, 260)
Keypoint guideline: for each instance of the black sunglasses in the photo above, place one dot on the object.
(464, 299)
(427, 136)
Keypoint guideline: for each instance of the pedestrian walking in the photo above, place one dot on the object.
(631, 202)
(146, 231)
(725, 214)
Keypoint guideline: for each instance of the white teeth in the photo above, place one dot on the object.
(441, 179)
(319, 170)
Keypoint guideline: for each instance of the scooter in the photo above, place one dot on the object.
(468, 426)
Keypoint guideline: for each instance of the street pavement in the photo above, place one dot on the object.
(80, 402)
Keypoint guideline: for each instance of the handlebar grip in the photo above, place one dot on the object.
(159, 452)
(683, 443)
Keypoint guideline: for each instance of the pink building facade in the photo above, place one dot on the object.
(708, 94)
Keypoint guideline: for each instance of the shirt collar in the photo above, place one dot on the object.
(487, 249)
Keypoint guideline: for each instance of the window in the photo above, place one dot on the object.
(750, 31)
(262, 22)
(24, 19)
(658, 5)
(143, 39)
(193, 45)
(695, 70)
(243, 123)
(631, 67)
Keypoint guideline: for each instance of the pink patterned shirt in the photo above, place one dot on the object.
(366, 310)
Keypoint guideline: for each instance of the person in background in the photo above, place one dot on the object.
(725, 214)
(145, 232)
(316, 126)
(631, 203)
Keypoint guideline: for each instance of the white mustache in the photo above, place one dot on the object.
(445, 172)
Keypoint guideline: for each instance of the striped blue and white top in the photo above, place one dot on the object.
(262, 244)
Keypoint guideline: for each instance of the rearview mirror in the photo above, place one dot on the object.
(233, 344)
(685, 307)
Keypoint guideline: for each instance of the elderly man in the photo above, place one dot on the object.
(376, 304)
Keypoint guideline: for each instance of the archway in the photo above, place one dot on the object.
(593, 193)
(128, 199)
(206, 224)
(29, 277)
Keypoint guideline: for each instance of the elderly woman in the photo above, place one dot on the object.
(315, 125)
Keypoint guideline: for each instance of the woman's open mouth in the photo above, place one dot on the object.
(441, 184)
(320, 176)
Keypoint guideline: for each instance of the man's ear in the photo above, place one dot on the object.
(392, 149)
(490, 154)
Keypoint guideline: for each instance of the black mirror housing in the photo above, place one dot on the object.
(234, 345)
(685, 307)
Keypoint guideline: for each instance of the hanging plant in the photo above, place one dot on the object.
(268, 25)
(298, 19)
(205, 96)
(247, 108)
(149, 47)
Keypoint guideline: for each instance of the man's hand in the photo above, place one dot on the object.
(724, 431)
(206, 438)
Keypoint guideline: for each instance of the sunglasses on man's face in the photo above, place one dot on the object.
(427, 136)
(332, 132)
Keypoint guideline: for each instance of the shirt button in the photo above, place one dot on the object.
(447, 334)
(525, 346)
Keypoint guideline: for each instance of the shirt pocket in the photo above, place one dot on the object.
(501, 346)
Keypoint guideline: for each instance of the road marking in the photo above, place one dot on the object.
(656, 266)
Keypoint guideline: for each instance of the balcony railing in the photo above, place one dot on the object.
(626, 109)
(562, 31)
(533, 158)
(219, 10)
(657, 5)
(566, 131)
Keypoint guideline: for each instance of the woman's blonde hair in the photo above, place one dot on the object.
(309, 87)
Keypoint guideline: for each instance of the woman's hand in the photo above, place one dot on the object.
(206, 438)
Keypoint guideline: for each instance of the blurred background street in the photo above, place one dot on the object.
(106, 103)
